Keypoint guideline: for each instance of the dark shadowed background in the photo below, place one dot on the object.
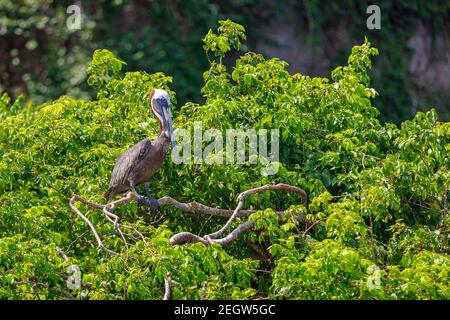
(41, 58)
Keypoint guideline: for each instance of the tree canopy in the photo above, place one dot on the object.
(377, 193)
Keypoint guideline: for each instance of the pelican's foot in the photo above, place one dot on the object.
(148, 202)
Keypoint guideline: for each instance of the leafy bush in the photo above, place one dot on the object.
(378, 194)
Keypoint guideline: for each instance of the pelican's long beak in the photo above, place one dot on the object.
(168, 117)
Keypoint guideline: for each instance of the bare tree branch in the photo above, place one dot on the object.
(61, 253)
(187, 237)
(203, 292)
(166, 287)
(247, 193)
(190, 207)
(198, 208)
(107, 208)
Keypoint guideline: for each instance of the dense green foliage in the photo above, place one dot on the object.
(378, 194)
(42, 58)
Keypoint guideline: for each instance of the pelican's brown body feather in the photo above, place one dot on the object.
(137, 165)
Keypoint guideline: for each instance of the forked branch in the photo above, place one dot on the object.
(190, 207)
(187, 237)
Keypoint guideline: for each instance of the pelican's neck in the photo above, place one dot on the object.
(161, 127)
(164, 130)
(162, 142)
(162, 124)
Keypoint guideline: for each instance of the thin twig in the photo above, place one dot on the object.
(310, 227)
(166, 287)
(203, 292)
(61, 253)
(89, 223)
(372, 244)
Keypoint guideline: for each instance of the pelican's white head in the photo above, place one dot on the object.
(160, 94)
(160, 104)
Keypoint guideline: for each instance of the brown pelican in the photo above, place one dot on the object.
(139, 163)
